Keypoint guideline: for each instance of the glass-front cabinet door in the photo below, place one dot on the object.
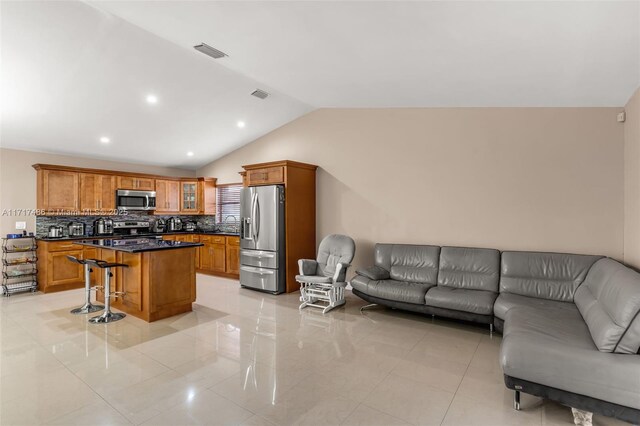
(189, 196)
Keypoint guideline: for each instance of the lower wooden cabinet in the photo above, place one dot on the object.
(233, 256)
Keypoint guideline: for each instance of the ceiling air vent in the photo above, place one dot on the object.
(211, 51)
(259, 94)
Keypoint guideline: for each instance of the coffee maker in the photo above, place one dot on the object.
(159, 225)
(103, 226)
(174, 224)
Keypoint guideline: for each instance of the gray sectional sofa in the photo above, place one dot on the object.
(570, 323)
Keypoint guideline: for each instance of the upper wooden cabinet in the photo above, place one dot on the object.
(97, 193)
(190, 196)
(57, 190)
(72, 190)
(167, 196)
(265, 176)
(139, 183)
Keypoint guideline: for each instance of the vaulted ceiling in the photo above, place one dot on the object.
(74, 72)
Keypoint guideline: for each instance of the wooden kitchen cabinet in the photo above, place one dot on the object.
(56, 272)
(265, 176)
(190, 196)
(167, 196)
(97, 193)
(138, 183)
(57, 190)
(233, 255)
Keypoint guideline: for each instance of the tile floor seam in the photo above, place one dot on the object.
(458, 387)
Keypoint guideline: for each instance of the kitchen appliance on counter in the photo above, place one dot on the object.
(159, 225)
(75, 229)
(103, 226)
(131, 227)
(135, 200)
(174, 224)
(189, 226)
(55, 231)
(262, 242)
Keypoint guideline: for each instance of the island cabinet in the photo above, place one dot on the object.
(55, 271)
(97, 193)
(299, 181)
(156, 284)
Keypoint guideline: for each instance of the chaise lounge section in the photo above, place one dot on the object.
(570, 323)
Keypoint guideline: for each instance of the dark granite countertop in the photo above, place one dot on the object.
(137, 245)
(157, 234)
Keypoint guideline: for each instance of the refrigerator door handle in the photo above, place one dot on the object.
(254, 201)
(259, 271)
(257, 254)
(257, 217)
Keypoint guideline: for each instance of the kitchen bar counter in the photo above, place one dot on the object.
(157, 234)
(137, 245)
(160, 280)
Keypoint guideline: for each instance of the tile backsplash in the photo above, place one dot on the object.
(203, 223)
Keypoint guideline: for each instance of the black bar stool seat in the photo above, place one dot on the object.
(88, 307)
(107, 316)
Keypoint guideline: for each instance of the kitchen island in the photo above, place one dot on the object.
(160, 280)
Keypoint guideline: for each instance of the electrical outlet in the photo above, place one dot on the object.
(21, 225)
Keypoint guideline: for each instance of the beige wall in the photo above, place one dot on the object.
(546, 179)
(632, 182)
(18, 179)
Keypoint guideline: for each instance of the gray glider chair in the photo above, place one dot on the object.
(323, 280)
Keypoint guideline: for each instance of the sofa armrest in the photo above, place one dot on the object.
(307, 266)
(374, 273)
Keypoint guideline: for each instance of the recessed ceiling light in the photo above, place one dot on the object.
(190, 154)
(241, 124)
(152, 99)
(105, 139)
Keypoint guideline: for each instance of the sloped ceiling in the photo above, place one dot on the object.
(73, 72)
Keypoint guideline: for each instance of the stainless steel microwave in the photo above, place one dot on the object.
(135, 200)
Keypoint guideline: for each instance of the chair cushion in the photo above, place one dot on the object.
(398, 291)
(461, 299)
(335, 249)
(410, 263)
(314, 279)
(553, 276)
(470, 268)
(506, 301)
(557, 351)
(609, 301)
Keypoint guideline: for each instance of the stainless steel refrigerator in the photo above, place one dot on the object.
(262, 251)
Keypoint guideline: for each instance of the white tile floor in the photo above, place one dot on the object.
(248, 358)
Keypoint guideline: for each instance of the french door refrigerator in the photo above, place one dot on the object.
(262, 251)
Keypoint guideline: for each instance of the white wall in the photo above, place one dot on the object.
(547, 179)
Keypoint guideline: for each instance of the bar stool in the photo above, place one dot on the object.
(107, 316)
(88, 307)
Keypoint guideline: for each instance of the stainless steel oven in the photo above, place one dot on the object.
(135, 200)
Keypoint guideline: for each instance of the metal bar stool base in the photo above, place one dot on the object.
(88, 308)
(107, 317)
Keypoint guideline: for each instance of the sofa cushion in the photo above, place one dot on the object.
(461, 299)
(553, 276)
(609, 301)
(399, 291)
(506, 301)
(558, 351)
(374, 273)
(469, 268)
(411, 263)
